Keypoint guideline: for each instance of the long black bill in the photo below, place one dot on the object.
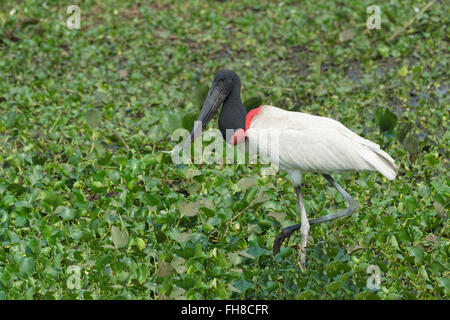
(216, 96)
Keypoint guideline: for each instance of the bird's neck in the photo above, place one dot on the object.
(232, 115)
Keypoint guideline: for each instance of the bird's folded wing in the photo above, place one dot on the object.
(315, 144)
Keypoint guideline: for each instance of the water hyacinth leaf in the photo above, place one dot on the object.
(266, 223)
(273, 206)
(334, 286)
(412, 145)
(12, 118)
(39, 158)
(52, 198)
(99, 148)
(285, 252)
(404, 236)
(15, 188)
(306, 295)
(402, 130)
(119, 237)
(445, 283)
(244, 253)
(242, 285)
(206, 203)
(250, 196)
(165, 269)
(431, 159)
(139, 243)
(105, 160)
(346, 35)
(235, 258)
(34, 246)
(385, 119)
(160, 236)
(403, 71)
(123, 73)
(199, 95)
(188, 121)
(65, 213)
(178, 293)
(247, 182)
(172, 121)
(100, 98)
(97, 187)
(441, 188)
(256, 251)
(178, 263)
(26, 266)
(354, 248)
(271, 286)
(279, 216)
(418, 254)
(93, 118)
(188, 209)
(122, 161)
(178, 236)
(333, 268)
(411, 204)
(253, 102)
(13, 237)
(155, 133)
(440, 210)
(260, 198)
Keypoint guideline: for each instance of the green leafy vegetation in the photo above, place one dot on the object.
(85, 123)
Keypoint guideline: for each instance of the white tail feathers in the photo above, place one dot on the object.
(381, 162)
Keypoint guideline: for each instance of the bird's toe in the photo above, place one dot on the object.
(285, 234)
(277, 244)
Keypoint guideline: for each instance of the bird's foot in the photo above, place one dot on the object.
(285, 234)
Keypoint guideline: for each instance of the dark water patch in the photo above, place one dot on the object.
(424, 95)
(413, 99)
(380, 72)
(354, 73)
(299, 56)
(442, 90)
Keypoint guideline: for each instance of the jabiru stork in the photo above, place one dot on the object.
(308, 143)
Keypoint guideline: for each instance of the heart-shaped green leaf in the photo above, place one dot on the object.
(386, 120)
(93, 118)
(189, 209)
(119, 237)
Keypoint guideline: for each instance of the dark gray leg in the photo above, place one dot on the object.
(287, 232)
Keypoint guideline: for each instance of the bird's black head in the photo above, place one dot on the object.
(225, 89)
(226, 79)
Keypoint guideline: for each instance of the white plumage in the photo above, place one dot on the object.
(309, 143)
